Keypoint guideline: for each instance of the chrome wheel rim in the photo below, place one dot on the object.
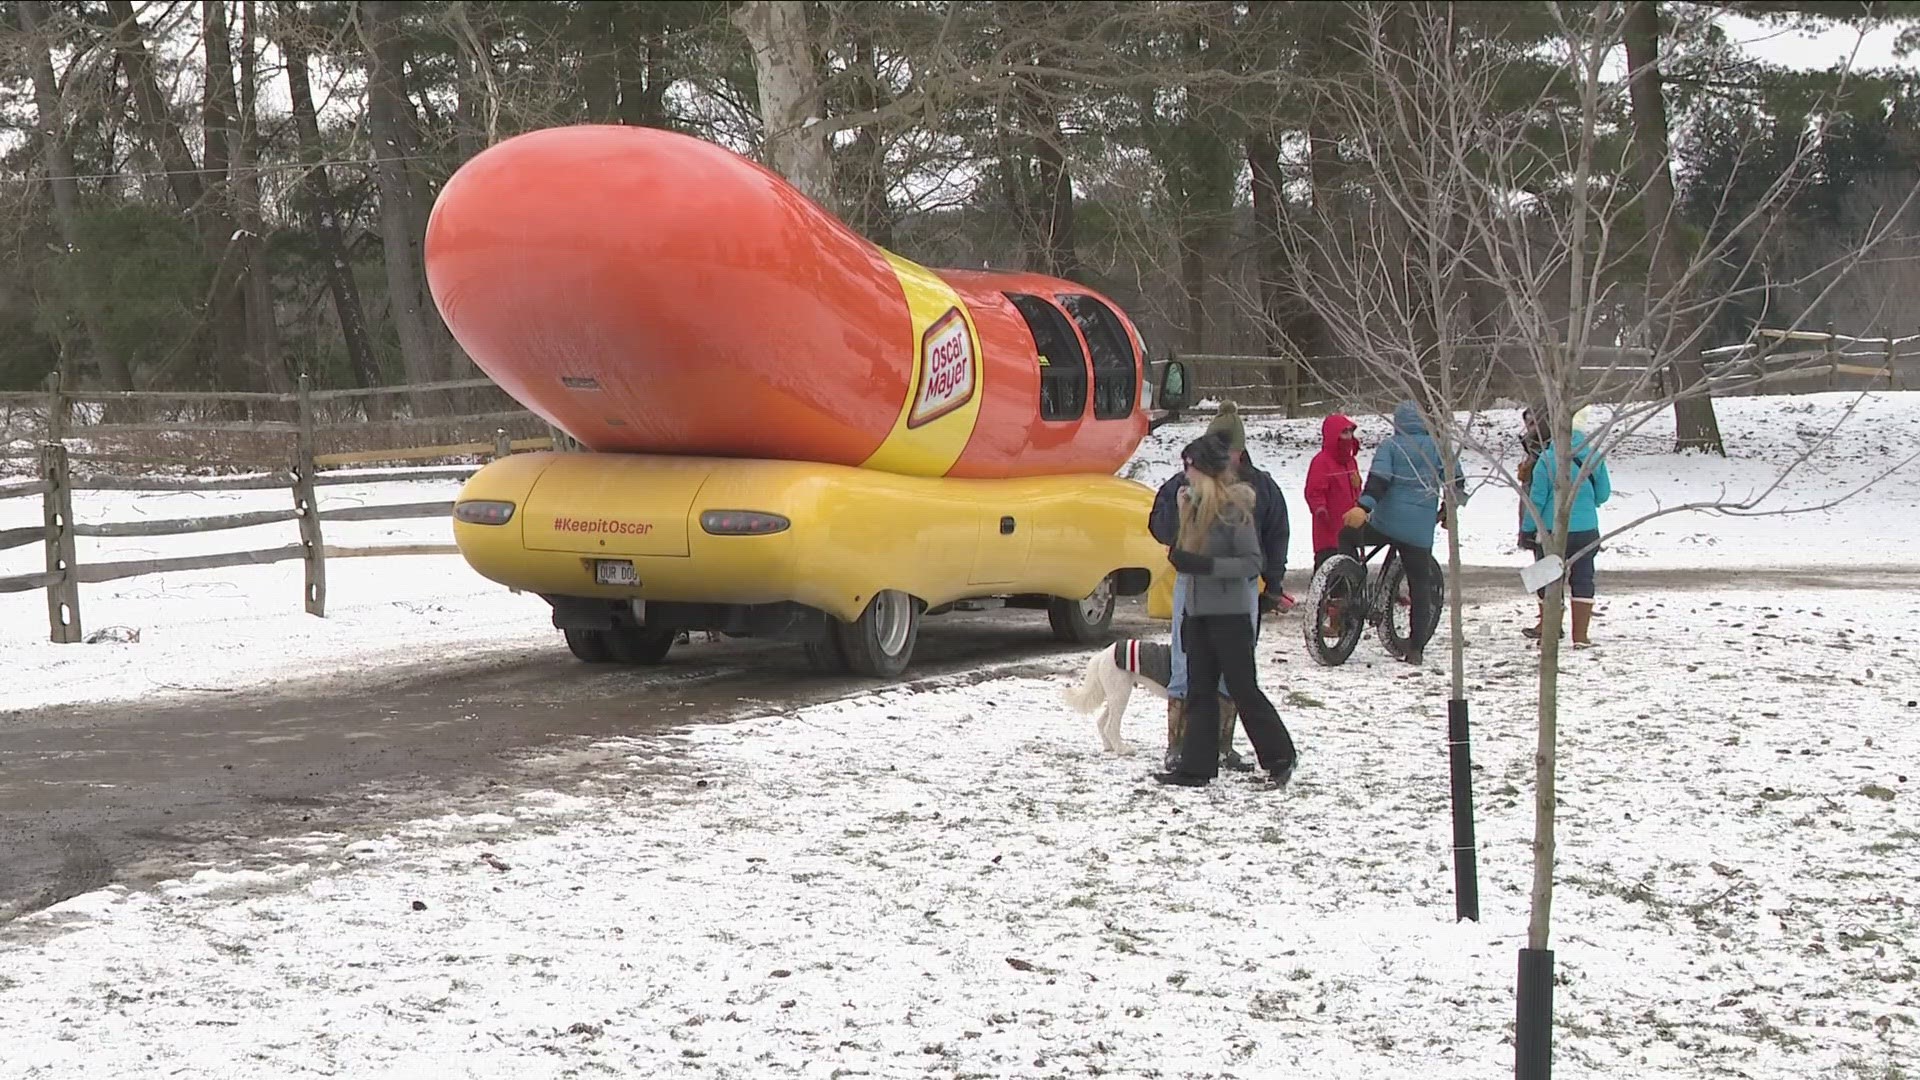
(892, 618)
(1100, 601)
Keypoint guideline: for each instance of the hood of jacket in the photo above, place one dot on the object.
(1332, 439)
(1407, 420)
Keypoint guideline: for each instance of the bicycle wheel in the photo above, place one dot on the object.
(1396, 607)
(1336, 610)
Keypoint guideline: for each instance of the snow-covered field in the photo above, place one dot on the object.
(959, 884)
(224, 629)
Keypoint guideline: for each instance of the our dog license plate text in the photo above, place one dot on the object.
(614, 572)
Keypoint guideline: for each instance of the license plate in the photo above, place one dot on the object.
(614, 572)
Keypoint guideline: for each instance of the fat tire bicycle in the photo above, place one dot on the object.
(1343, 601)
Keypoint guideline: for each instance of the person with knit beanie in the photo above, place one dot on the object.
(1270, 518)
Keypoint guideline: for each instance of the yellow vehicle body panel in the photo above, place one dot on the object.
(853, 531)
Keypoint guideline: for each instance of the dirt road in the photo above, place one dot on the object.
(138, 792)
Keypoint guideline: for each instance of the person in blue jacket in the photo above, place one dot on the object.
(1590, 492)
(1400, 505)
(1270, 520)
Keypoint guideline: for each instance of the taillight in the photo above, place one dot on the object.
(482, 512)
(742, 523)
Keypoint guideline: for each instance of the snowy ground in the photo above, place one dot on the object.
(959, 884)
(224, 629)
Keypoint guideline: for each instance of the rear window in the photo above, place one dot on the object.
(1114, 367)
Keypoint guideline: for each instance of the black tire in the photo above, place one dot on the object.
(588, 645)
(1087, 621)
(640, 647)
(1335, 608)
(1396, 608)
(879, 644)
(824, 656)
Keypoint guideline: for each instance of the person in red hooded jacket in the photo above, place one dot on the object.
(1333, 484)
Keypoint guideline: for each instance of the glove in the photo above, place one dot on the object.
(1355, 518)
(1188, 562)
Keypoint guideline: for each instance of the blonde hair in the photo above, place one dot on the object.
(1207, 497)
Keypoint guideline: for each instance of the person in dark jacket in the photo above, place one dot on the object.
(1400, 505)
(1270, 518)
(1218, 551)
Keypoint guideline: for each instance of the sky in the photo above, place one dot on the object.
(1789, 48)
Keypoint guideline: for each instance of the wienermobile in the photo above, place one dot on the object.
(787, 431)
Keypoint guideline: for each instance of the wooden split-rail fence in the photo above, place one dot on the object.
(55, 481)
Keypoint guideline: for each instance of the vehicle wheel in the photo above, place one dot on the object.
(1396, 608)
(640, 647)
(1087, 621)
(588, 645)
(880, 642)
(824, 655)
(1336, 610)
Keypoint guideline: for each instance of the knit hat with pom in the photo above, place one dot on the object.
(1228, 423)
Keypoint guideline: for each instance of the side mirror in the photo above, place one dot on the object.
(1176, 388)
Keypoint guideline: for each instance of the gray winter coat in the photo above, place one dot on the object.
(1234, 543)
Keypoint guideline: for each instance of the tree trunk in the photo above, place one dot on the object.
(793, 142)
(263, 329)
(225, 248)
(158, 129)
(324, 211)
(226, 312)
(51, 121)
(400, 234)
(864, 182)
(1056, 192)
(1695, 425)
(1047, 183)
(1294, 330)
(600, 45)
(642, 34)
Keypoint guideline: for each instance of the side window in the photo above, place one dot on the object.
(1063, 367)
(1113, 357)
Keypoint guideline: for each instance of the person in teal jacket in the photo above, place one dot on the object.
(1583, 523)
(1400, 505)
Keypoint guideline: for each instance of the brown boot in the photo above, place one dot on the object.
(1176, 728)
(1229, 718)
(1582, 619)
(1533, 632)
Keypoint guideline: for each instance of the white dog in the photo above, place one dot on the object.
(1112, 674)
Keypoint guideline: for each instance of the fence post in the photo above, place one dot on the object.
(502, 444)
(56, 409)
(63, 596)
(1889, 333)
(1833, 360)
(307, 506)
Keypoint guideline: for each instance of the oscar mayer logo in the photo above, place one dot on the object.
(946, 369)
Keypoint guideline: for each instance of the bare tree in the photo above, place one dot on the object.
(323, 209)
(1470, 187)
(51, 119)
(794, 143)
(402, 219)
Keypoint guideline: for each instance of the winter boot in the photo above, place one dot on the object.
(1533, 632)
(1176, 730)
(1229, 757)
(1582, 619)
